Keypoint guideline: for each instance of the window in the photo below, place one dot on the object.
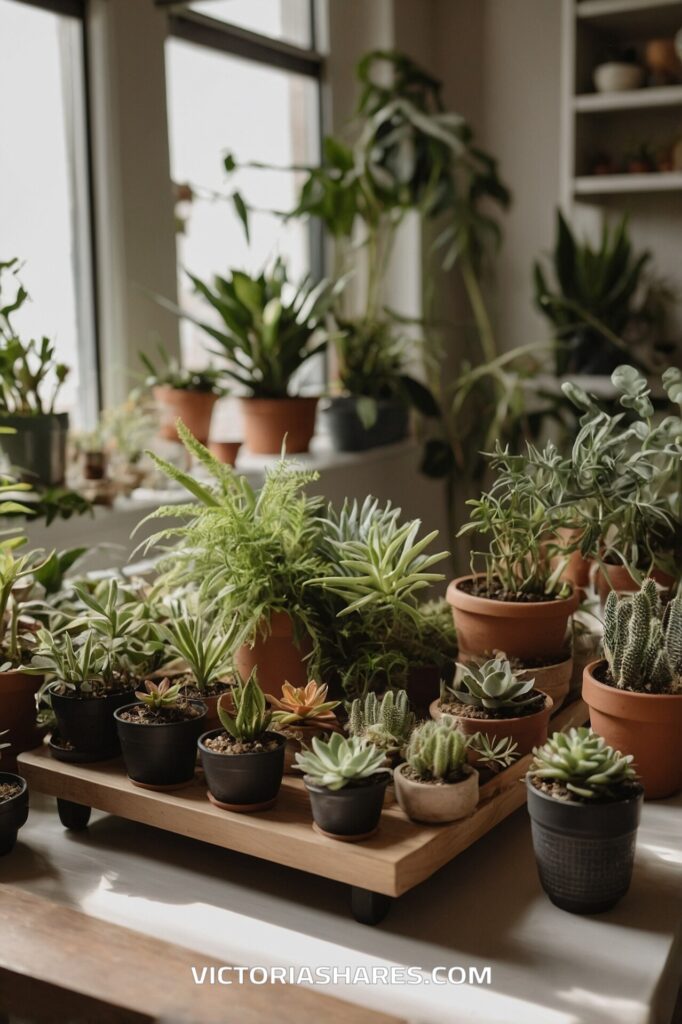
(289, 20)
(44, 207)
(220, 100)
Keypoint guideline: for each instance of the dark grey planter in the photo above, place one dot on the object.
(584, 852)
(13, 812)
(160, 755)
(346, 429)
(351, 812)
(248, 780)
(87, 723)
(37, 449)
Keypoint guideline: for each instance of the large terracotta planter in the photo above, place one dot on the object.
(276, 657)
(194, 408)
(267, 421)
(18, 713)
(530, 630)
(619, 578)
(528, 731)
(423, 801)
(646, 725)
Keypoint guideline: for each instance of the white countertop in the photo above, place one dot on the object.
(484, 909)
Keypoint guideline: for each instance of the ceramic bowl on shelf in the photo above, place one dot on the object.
(617, 76)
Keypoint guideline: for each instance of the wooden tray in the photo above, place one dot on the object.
(401, 855)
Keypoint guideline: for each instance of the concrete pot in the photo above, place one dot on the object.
(423, 801)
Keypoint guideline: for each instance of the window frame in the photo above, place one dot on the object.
(87, 308)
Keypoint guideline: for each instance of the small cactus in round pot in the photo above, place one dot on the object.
(436, 784)
(346, 779)
(635, 692)
(584, 802)
(494, 699)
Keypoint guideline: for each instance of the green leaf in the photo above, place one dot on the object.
(242, 213)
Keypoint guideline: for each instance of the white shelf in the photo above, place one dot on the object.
(632, 16)
(624, 184)
(634, 99)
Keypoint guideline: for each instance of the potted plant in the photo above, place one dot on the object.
(519, 604)
(584, 802)
(269, 331)
(13, 806)
(346, 779)
(158, 736)
(436, 783)
(301, 713)
(635, 693)
(251, 553)
(493, 699)
(97, 657)
(244, 760)
(36, 441)
(623, 489)
(387, 722)
(377, 391)
(206, 654)
(181, 393)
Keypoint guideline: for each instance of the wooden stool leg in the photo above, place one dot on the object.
(368, 907)
(72, 815)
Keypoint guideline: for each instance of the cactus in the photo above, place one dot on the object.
(581, 761)
(437, 751)
(387, 722)
(335, 762)
(643, 641)
(495, 687)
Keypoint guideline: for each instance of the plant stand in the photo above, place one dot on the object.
(400, 856)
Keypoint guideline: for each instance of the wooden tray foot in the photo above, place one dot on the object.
(368, 907)
(240, 808)
(345, 839)
(73, 816)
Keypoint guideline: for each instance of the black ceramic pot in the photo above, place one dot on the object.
(249, 780)
(37, 448)
(584, 852)
(13, 812)
(87, 723)
(160, 755)
(348, 432)
(353, 811)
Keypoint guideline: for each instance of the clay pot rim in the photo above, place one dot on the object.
(548, 705)
(468, 770)
(588, 676)
(458, 598)
(535, 668)
(5, 676)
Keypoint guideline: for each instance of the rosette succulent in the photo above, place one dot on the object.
(494, 687)
(159, 695)
(340, 760)
(304, 704)
(584, 764)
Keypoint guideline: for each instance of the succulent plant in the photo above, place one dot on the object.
(206, 652)
(335, 762)
(78, 666)
(387, 723)
(252, 717)
(495, 754)
(159, 695)
(643, 642)
(581, 761)
(437, 751)
(494, 686)
(304, 704)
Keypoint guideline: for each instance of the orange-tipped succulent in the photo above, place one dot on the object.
(304, 704)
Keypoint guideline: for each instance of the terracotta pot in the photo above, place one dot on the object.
(530, 630)
(276, 657)
(94, 465)
(18, 713)
(554, 680)
(225, 451)
(577, 569)
(528, 731)
(646, 725)
(660, 57)
(194, 408)
(268, 420)
(619, 578)
(423, 801)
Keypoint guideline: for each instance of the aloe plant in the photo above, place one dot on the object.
(252, 717)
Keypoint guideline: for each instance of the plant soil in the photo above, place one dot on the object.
(191, 691)
(225, 744)
(602, 674)
(142, 714)
(558, 791)
(8, 790)
(411, 774)
(497, 593)
(468, 711)
(99, 689)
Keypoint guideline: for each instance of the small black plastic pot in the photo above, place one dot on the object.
(13, 812)
(349, 813)
(584, 852)
(348, 432)
(87, 723)
(248, 781)
(160, 755)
